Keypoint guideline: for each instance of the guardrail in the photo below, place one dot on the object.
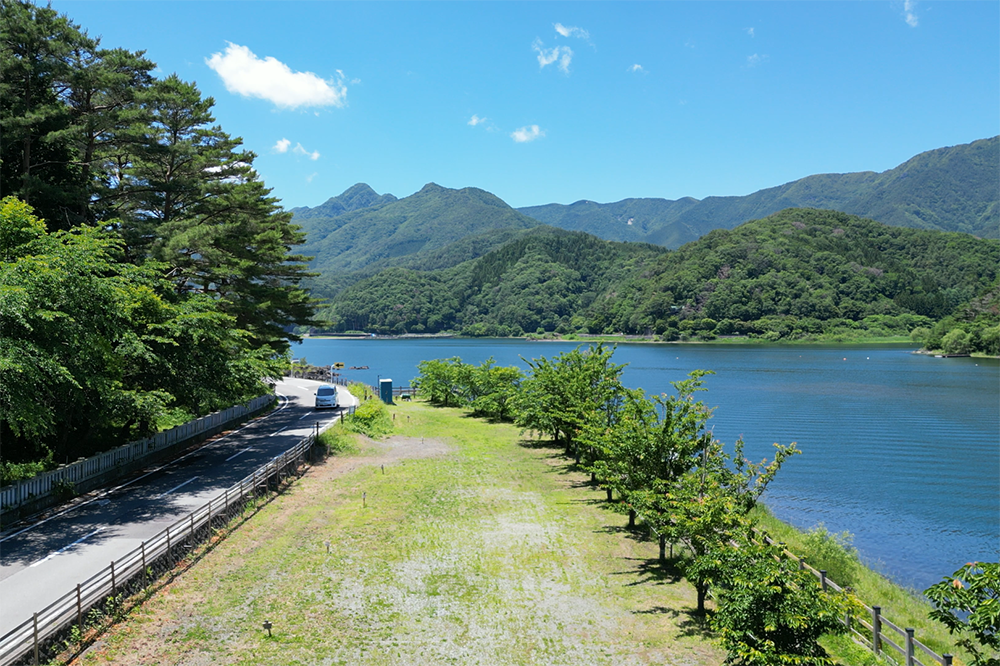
(80, 472)
(37, 638)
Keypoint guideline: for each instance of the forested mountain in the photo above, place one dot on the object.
(353, 198)
(145, 269)
(421, 223)
(948, 189)
(795, 274)
(539, 281)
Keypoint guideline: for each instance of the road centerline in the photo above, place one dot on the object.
(175, 488)
(65, 548)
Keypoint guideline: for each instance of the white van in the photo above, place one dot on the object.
(327, 398)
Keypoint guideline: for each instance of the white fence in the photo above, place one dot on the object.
(79, 472)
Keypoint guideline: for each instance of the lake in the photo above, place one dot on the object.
(899, 449)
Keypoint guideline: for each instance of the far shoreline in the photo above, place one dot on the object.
(632, 339)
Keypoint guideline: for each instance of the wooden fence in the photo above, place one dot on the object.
(876, 634)
(37, 639)
(81, 471)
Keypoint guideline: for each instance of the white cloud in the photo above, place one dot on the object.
(247, 75)
(637, 68)
(310, 177)
(561, 54)
(755, 59)
(281, 146)
(299, 150)
(749, 31)
(571, 31)
(908, 10)
(476, 120)
(527, 133)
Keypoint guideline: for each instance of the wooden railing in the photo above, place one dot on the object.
(875, 637)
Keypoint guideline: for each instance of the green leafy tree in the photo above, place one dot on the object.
(437, 381)
(94, 349)
(771, 613)
(496, 389)
(968, 603)
(561, 396)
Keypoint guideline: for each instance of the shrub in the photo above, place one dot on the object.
(370, 418)
(832, 552)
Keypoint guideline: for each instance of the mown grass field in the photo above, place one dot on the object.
(472, 547)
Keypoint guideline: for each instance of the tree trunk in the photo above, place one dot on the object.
(663, 548)
(593, 477)
(702, 592)
(609, 494)
(631, 519)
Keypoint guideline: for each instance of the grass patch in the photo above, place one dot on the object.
(337, 440)
(447, 543)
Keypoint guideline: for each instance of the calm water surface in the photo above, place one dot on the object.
(901, 450)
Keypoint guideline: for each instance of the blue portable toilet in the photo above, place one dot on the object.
(385, 390)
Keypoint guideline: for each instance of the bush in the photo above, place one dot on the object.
(833, 553)
(370, 418)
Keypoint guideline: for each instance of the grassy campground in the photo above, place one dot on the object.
(452, 541)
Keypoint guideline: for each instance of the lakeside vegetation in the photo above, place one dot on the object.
(146, 272)
(800, 274)
(474, 544)
(659, 464)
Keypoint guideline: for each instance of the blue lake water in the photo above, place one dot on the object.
(900, 450)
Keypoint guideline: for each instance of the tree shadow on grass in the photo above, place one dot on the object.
(688, 619)
(637, 534)
(690, 622)
(541, 444)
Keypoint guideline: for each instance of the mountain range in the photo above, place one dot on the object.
(359, 232)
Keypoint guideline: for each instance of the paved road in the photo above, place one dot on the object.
(42, 561)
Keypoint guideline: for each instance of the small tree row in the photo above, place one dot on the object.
(487, 389)
(657, 456)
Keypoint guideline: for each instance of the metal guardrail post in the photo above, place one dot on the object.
(946, 659)
(822, 579)
(79, 609)
(909, 646)
(876, 629)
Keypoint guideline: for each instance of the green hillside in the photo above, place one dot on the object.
(800, 273)
(424, 222)
(948, 189)
(541, 280)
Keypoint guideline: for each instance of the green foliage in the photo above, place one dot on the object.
(371, 418)
(539, 280)
(337, 440)
(489, 390)
(797, 275)
(422, 223)
(358, 390)
(771, 613)
(575, 390)
(163, 283)
(968, 603)
(831, 552)
(95, 351)
(973, 328)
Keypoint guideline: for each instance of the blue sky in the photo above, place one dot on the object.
(557, 102)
